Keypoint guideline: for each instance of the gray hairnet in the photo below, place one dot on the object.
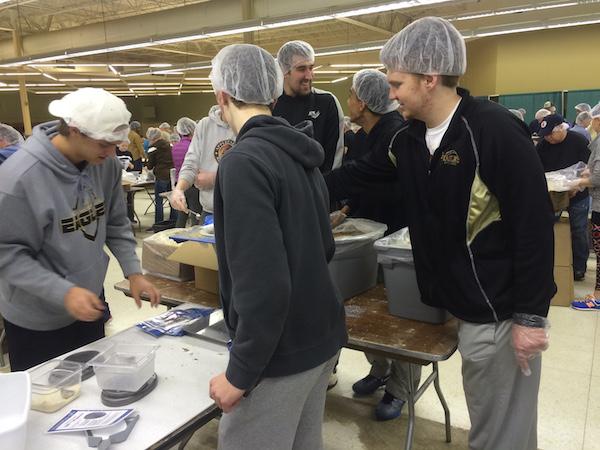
(582, 117)
(135, 125)
(371, 86)
(541, 113)
(185, 126)
(595, 112)
(248, 73)
(583, 107)
(164, 125)
(10, 135)
(285, 55)
(523, 111)
(517, 113)
(153, 133)
(430, 46)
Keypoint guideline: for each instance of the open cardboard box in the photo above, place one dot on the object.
(204, 259)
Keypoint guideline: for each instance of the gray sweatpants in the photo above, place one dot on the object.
(502, 402)
(280, 413)
(397, 384)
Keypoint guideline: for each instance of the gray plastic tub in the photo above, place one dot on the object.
(404, 298)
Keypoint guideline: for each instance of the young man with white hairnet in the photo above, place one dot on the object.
(582, 122)
(10, 141)
(370, 107)
(212, 138)
(62, 201)
(299, 101)
(280, 304)
(481, 227)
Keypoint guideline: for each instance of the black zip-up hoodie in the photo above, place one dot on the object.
(478, 210)
(274, 241)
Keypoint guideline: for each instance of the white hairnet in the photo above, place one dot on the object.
(523, 111)
(185, 126)
(164, 125)
(153, 133)
(582, 117)
(517, 113)
(248, 73)
(595, 112)
(541, 113)
(10, 135)
(371, 86)
(430, 46)
(583, 107)
(285, 55)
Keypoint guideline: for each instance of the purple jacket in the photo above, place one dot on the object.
(179, 150)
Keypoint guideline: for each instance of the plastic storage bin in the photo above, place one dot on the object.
(15, 392)
(354, 264)
(54, 384)
(394, 253)
(124, 367)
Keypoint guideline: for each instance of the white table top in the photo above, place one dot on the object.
(184, 366)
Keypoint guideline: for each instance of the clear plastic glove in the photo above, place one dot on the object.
(529, 338)
(336, 218)
(177, 200)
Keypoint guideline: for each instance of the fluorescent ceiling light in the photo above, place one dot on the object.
(113, 70)
(337, 80)
(503, 12)
(333, 71)
(197, 79)
(37, 85)
(350, 50)
(20, 74)
(543, 26)
(53, 92)
(102, 65)
(95, 80)
(5, 89)
(355, 65)
(50, 76)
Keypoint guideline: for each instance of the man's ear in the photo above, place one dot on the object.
(431, 81)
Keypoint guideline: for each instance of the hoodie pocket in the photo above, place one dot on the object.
(92, 277)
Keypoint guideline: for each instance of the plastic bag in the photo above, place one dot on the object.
(357, 230)
(530, 338)
(172, 322)
(565, 179)
(395, 248)
(399, 239)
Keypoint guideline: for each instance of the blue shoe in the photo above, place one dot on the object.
(368, 384)
(389, 407)
(589, 303)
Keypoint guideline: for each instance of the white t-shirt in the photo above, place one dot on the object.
(433, 136)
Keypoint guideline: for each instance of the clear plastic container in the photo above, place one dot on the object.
(54, 384)
(15, 392)
(124, 367)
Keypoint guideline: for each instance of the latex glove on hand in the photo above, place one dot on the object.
(177, 200)
(529, 338)
(336, 218)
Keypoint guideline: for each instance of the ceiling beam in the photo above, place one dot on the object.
(366, 26)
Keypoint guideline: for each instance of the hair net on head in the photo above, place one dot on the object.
(582, 117)
(523, 111)
(10, 135)
(371, 86)
(583, 107)
(135, 125)
(185, 126)
(164, 125)
(541, 113)
(285, 55)
(517, 113)
(248, 73)
(153, 133)
(595, 112)
(429, 46)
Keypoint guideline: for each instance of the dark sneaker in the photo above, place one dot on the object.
(368, 384)
(579, 276)
(389, 407)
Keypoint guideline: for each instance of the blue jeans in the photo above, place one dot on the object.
(161, 186)
(578, 219)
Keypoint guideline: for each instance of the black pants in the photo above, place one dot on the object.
(192, 198)
(28, 348)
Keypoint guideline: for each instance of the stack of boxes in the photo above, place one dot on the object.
(563, 263)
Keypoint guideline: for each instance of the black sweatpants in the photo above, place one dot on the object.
(28, 348)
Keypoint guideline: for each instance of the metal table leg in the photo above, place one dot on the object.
(411, 409)
(438, 389)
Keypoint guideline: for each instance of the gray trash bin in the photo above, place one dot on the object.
(394, 253)
(354, 264)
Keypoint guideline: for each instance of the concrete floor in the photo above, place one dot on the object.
(569, 403)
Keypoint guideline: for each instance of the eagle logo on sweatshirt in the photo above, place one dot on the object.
(84, 219)
(221, 148)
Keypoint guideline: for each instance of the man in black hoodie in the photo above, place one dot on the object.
(280, 304)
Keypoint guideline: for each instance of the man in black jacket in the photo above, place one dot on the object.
(480, 223)
(280, 304)
(299, 101)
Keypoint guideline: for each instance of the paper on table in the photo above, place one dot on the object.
(89, 419)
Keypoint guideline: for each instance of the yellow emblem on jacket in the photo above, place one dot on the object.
(450, 158)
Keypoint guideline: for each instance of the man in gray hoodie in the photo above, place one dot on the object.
(62, 201)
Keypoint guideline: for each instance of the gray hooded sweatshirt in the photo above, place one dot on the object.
(212, 138)
(55, 221)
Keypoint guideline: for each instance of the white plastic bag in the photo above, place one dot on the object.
(565, 179)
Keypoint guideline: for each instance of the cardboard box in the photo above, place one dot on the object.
(560, 200)
(563, 253)
(156, 250)
(563, 277)
(204, 259)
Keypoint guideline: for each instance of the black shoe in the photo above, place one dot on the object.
(389, 407)
(579, 276)
(368, 384)
(151, 229)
